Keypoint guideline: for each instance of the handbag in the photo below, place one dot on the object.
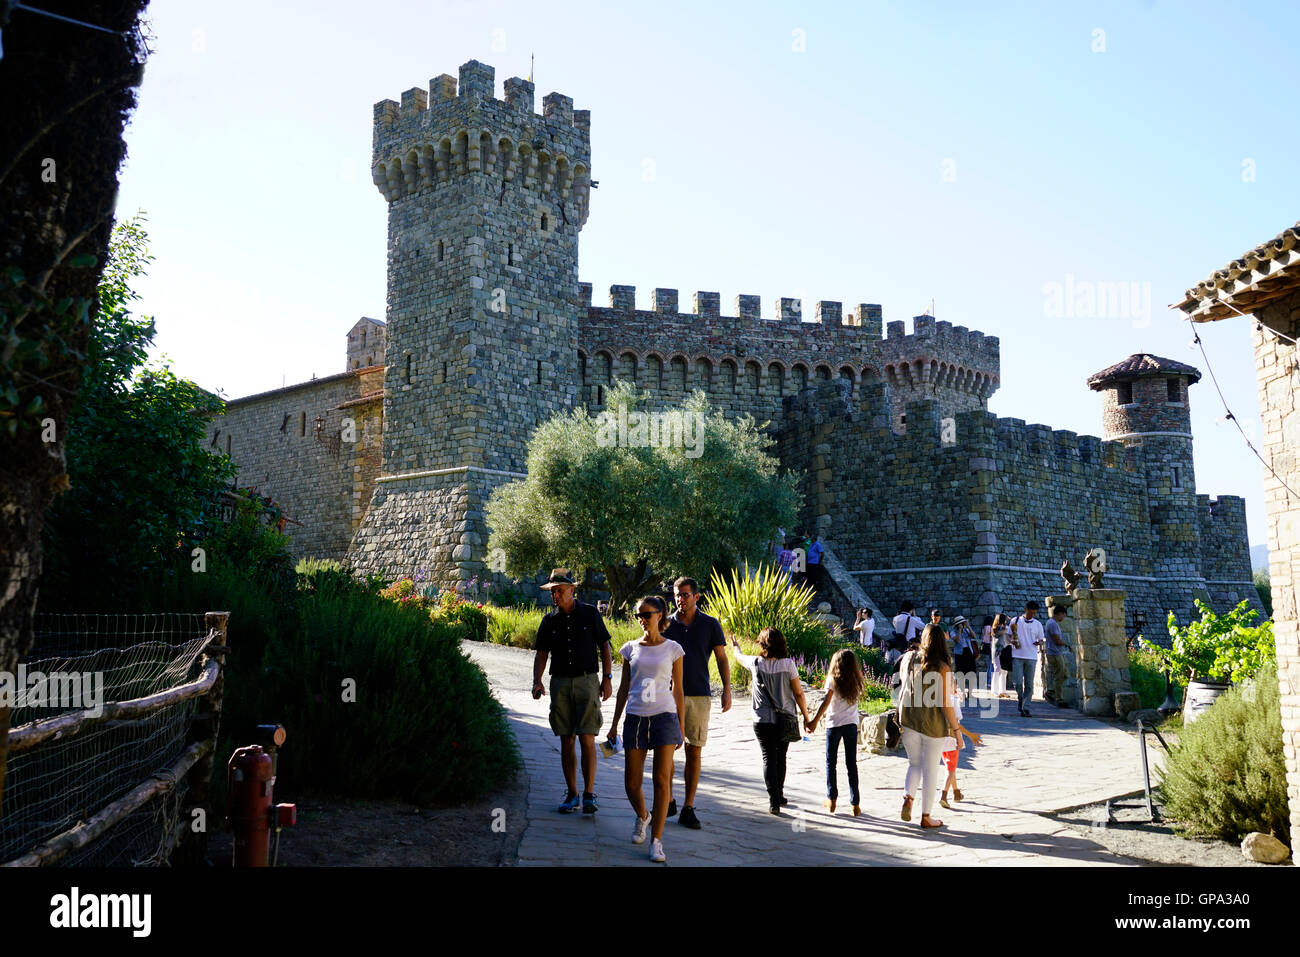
(787, 722)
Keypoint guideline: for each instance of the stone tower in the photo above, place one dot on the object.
(366, 343)
(956, 368)
(1144, 402)
(485, 202)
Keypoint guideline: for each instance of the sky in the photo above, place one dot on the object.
(984, 160)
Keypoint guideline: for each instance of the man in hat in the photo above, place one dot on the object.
(575, 639)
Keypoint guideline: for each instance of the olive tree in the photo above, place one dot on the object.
(641, 496)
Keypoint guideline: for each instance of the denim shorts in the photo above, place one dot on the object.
(645, 732)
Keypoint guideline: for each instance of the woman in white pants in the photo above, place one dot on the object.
(929, 723)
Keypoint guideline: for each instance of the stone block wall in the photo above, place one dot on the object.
(320, 479)
(978, 520)
(1101, 651)
(748, 363)
(1277, 366)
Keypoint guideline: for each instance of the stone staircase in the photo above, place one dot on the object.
(845, 596)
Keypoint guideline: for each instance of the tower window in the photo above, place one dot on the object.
(1175, 393)
(600, 395)
(302, 423)
(539, 371)
(1177, 478)
(408, 370)
(444, 370)
(545, 222)
(1124, 393)
(442, 251)
(510, 254)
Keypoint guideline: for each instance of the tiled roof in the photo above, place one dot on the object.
(1261, 275)
(1141, 364)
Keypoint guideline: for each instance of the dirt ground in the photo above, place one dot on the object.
(348, 833)
(1129, 834)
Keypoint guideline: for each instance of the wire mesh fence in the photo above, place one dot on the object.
(113, 741)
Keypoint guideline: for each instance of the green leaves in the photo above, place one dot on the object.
(142, 476)
(1218, 647)
(601, 494)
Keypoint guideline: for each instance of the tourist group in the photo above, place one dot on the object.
(664, 699)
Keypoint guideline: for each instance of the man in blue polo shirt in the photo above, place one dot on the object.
(700, 635)
(573, 636)
(815, 562)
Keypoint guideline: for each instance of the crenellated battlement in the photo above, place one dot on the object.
(458, 129)
(938, 355)
(864, 319)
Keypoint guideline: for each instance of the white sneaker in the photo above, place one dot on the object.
(657, 851)
(638, 830)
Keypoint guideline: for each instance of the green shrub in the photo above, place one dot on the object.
(424, 726)
(621, 631)
(516, 627)
(1148, 673)
(467, 620)
(327, 575)
(748, 602)
(1226, 777)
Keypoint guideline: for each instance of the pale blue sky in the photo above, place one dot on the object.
(910, 152)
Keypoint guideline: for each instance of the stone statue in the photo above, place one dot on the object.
(1070, 575)
(1095, 563)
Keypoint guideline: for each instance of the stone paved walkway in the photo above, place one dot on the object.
(1054, 760)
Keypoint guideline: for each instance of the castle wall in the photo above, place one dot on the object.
(1225, 552)
(747, 363)
(975, 516)
(321, 480)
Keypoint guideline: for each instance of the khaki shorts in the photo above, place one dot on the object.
(575, 705)
(697, 719)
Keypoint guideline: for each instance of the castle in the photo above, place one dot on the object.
(919, 492)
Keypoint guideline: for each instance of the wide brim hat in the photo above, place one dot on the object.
(559, 576)
(960, 620)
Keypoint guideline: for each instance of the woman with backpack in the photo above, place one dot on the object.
(774, 690)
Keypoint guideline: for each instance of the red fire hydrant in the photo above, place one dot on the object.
(250, 779)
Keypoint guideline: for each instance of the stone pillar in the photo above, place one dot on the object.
(1277, 364)
(1101, 649)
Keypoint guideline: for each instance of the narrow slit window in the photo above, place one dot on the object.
(227, 443)
(1177, 477)
(510, 254)
(444, 371)
(545, 222)
(539, 371)
(442, 251)
(408, 370)
(302, 423)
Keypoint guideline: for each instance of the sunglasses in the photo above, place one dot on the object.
(646, 614)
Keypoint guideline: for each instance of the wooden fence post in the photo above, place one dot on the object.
(206, 725)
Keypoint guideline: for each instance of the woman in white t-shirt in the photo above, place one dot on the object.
(651, 690)
(774, 687)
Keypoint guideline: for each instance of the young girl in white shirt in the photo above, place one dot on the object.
(843, 687)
